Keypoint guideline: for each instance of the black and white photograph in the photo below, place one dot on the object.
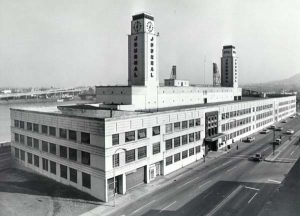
(149, 108)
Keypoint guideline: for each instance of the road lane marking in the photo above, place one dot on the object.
(292, 153)
(252, 188)
(167, 206)
(266, 148)
(229, 197)
(231, 169)
(271, 180)
(204, 184)
(252, 198)
(135, 211)
(180, 186)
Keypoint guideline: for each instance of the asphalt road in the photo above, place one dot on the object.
(228, 185)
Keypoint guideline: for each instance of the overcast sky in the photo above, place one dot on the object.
(84, 42)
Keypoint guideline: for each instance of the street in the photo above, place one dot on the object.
(227, 185)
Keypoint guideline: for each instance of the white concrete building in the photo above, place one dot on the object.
(137, 132)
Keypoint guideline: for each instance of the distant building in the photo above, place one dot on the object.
(139, 131)
(229, 67)
(6, 91)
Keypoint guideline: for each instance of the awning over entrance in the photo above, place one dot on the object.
(215, 137)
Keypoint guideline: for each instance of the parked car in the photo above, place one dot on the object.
(257, 157)
(272, 127)
(279, 128)
(293, 116)
(290, 131)
(265, 131)
(278, 141)
(284, 121)
(249, 139)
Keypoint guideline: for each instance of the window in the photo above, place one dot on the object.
(44, 146)
(36, 161)
(72, 135)
(176, 142)
(85, 158)
(198, 122)
(116, 160)
(155, 130)
(85, 138)
(129, 136)
(184, 154)
(63, 133)
(52, 148)
(198, 149)
(16, 153)
(142, 133)
(72, 154)
(156, 148)
(29, 141)
(86, 180)
(169, 160)
(63, 171)
(22, 139)
(184, 139)
(45, 164)
(176, 157)
(191, 151)
(142, 152)
(184, 124)
(36, 144)
(17, 137)
(169, 128)
(44, 129)
(29, 158)
(191, 137)
(22, 125)
(115, 139)
(36, 128)
(52, 131)
(17, 123)
(29, 126)
(191, 123)
(197, 135)
(130, 155)
(73, 175)
(169, 144)
(176, 126)
(63, 152)
(53, 167)
(22, 155)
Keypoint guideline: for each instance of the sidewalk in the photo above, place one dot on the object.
(144, 189)
(273, 157)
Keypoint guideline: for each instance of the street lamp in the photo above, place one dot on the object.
(114, 173)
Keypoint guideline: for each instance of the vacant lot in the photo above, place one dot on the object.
(27, 194)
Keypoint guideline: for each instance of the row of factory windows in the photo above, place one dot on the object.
(51, 166)
(263, 107)
(64, 152)
(182, 155)
(259, 124)
(236, 123)
(264, 115)
(282, 109)
(236, 113)
(142, 133)
(48, 130)
(237, 133)
(286, 102)
(185, 139)
(130, 155)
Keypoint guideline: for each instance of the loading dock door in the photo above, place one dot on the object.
(135, 178)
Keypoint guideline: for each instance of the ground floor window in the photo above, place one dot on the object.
(86, 180)
(45, 164)
(73, 175)
(176, 157)
(36, 161)
(169, 160)
(63, 171)
(22, 155)
(53, 167)
(29, 158)
(184, 154)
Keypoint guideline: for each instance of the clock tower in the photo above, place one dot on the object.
(142, 52)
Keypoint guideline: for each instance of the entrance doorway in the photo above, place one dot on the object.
(211, 145)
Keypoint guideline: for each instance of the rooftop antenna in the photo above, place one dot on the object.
(173, 72)
(204, 68)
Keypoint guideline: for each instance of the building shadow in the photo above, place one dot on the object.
(19, 181)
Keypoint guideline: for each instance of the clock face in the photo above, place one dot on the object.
(149, 26)
(137, 26)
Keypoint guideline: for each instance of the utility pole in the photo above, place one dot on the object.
(274, 141)
(204, 68)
